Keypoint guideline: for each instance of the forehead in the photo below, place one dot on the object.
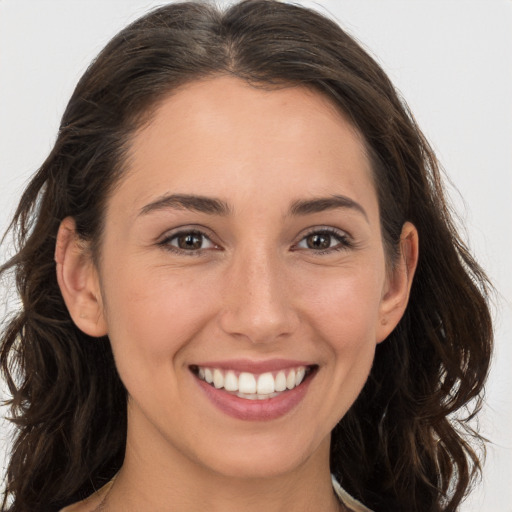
(223, 137)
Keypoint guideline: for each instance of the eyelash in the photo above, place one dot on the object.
(166, 242)
(344, 242)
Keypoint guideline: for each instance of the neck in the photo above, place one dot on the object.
(156, 476)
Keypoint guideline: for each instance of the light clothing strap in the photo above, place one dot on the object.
(346, 499)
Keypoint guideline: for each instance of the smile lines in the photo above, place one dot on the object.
(250, 386)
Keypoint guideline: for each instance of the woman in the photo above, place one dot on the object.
(239, 276)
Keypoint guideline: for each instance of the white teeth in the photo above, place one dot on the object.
(299, 377)
(290, 380)
(255, 396)
(280, 382)
(218, 379)
(231, 381)
(250, 386)
(265, 384)
(247, 383)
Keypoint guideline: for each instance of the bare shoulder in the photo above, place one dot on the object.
(91, 503)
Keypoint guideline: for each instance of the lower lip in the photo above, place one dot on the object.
(255, 410)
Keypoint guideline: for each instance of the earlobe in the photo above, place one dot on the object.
(399, 282)
(78, 280)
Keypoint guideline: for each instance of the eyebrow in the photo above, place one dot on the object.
(199, 204)
(321, 204)
(213, 206)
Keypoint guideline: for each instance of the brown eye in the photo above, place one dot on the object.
(324, 241)
(189, 241)
(318, 241)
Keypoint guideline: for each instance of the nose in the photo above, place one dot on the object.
(257, 302)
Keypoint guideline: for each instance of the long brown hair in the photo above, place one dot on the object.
(404, 445)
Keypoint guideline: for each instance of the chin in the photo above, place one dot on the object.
(260, 458)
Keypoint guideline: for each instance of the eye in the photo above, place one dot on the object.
(191, 241)
(325, 240)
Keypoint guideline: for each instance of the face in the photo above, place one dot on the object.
(242, 280)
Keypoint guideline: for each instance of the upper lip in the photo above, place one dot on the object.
(256, 367)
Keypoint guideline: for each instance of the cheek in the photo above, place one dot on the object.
(342, 314)
(344, 305)
(152, 315)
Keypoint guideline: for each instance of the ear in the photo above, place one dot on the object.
(78, 280)
(398, 283)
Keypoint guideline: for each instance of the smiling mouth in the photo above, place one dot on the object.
(254, 386)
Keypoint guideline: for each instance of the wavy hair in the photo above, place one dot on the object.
(406, 443)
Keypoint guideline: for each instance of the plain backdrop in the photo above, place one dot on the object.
(451, 60)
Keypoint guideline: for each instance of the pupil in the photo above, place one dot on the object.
(190, 241)
(319, 241)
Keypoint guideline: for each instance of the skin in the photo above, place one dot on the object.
(255, 290)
